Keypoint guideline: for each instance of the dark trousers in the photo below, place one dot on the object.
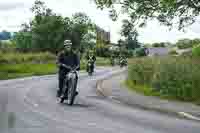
(61, 79)
(92, 67)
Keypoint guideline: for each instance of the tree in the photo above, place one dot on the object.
(184, 43)
(196, 51)
(22, 41)
(131, 35)
(195, 42)
(128, 29)
(88, 42)
(167, 12)
(161, 44)
(132, 44)
(49, 30)
(81, 24)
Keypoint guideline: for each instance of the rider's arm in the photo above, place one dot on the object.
(59, 59)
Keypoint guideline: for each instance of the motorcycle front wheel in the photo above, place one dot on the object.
(71, 92)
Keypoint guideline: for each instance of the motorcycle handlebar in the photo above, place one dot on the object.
(68, 67)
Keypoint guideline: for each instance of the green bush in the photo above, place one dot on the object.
(196, 50)
(139, 52)
(177, 77)
(140, 71)
(158, 44)
(102, 52)
(173, 52)
(184, 45)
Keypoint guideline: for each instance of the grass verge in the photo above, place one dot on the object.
(11, 71)
(16, 65)
(148, 91)
(8, 71)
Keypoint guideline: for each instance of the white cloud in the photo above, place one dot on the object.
(15, 12)
(157, 33)
(9, 5)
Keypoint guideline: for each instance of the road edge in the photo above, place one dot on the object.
(102, 91)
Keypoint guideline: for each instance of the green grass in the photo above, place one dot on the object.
(102, 61)
(17, 58)
(143, 89)
(15, 64)
(168, 77)
(148, 91)
(8, 71)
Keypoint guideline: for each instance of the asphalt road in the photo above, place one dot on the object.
(29, 106)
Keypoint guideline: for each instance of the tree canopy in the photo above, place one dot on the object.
(171, 13)
(48, 30)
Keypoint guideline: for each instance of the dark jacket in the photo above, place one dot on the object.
(69, 59)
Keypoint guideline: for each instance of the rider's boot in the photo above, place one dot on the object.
(59, 93)
(76, 93)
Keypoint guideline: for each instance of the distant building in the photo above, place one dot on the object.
(102, 35)
(157, 51)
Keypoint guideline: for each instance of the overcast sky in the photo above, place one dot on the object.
(15, 12)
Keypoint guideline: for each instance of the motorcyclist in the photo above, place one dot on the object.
(66, 58)
(122, 59)
(112, 59)
(91, 58)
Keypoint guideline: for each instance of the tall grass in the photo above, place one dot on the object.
(9, 71)
(15, 64)
(16, 57)
(178, 77)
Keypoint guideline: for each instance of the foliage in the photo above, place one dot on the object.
(130, 34)
(23, 41)
(196, 42)
(18, 58)
(132, 44)
(82, 29)
(102, 61)
(139, 52)
(128, 30)
(88, 42)
(48, 30)
(170, 76)
(102, 50)
(184, 43)
(187, 43)
(173, 52)
(196, 50)
(7, 46)
(167, 12)
(162, 44)
(8, 71)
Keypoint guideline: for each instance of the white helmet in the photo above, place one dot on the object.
(67, 43)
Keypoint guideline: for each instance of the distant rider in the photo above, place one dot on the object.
(92, 59)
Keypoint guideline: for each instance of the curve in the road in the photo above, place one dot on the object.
(34, 103)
